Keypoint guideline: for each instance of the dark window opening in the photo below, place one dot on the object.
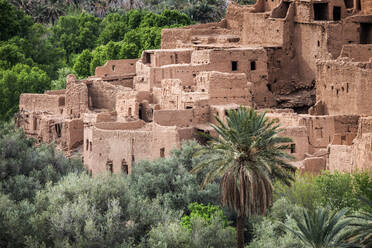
(347, 87)
(321, 11)
(90, 146)
(147, 58)
(162, 152)
(124, 167)
(90, 173)
(58, 128)
(113, 67)
(336, 13)
(269, 87)
(110, 166)
(366, 33)
(349, 4)
(253, 65)
(61, 102)
(188, 107)
(343, 139)
(318, 43)
(226, 112)
(87, 144)
(234, 65)
(293, 148)
(130, 112)
(35, 123)
(141, 111)
(202, 137)
(133, 160)
(358, 5)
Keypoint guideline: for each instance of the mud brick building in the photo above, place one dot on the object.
(308, 63)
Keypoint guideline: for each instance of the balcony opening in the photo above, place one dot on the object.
(336, 13)
(320, 11)
(234, 65)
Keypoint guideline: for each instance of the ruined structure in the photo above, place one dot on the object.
(307, 62)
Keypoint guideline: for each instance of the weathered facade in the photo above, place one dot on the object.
(308, 63)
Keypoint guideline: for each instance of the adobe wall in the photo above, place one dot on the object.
(118, 146)
(344, 87)
(224, 88)
(52, 104)
(102, 95)
(263, 30)
(174, 117)
(360, 53)
(339, 158)
(72, 133)
(165, 139)
(366, 6)
(157, 58)
(55, 92)
(122, 143)
(116, 67)
(76, 99)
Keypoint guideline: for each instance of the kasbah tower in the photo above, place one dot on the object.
(308, 63)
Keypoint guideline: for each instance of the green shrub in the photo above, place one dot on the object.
(205, 212)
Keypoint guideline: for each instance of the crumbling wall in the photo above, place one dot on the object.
(127, 106)
(366, 6)
(116, 67)
(261, 29)
(174, 117)
(339, 158)
(344, 86)
(76, 99)
(358, 52)
(53, 104)
(224, 88)
(102, 95)
(72, 133)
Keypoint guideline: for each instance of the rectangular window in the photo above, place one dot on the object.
(336, 13)
(162, 152)
(293, 148)
(234, 65)
(253, 65)
(366, 33)
(58, 128)
(320, 11)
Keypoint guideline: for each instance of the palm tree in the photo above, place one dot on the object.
(362, 231)
(248, 154)
(320, 228)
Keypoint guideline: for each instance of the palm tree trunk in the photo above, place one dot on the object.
(240, 231)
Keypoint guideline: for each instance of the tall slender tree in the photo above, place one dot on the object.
(247, 155)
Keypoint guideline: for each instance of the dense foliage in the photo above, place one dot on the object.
(47, 200)
(36, 57)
